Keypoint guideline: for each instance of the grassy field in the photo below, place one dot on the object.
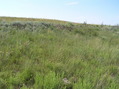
(51, 54)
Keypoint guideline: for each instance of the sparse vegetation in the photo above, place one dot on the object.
(51, 54)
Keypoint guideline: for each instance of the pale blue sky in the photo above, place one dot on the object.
(91, 11)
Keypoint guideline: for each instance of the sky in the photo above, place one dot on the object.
(89, 11)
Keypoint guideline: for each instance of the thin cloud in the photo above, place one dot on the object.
(72, 3)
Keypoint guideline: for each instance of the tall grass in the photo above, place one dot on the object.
(41, 55)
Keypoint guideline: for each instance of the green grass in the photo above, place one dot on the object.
(40, 55)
